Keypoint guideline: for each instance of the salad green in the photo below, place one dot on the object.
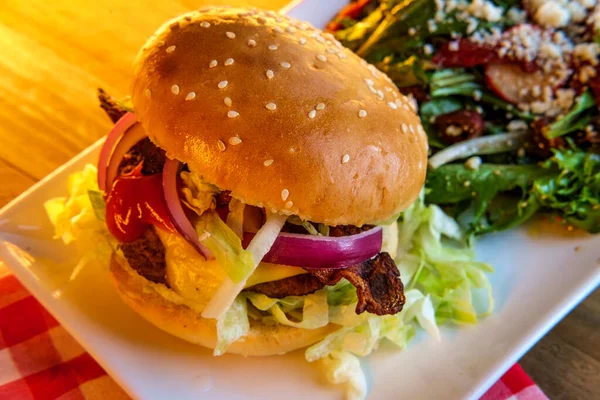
(439, 51)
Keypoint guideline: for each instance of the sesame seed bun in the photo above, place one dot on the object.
(187, 324)
(280, 114)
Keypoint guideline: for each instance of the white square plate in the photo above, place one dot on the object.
(539, 277)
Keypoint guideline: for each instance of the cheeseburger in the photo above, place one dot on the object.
(259, 162)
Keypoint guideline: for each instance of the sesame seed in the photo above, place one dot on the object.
(230, 35)
(234, 140)
(271, 106)
(212, 64)
(331, 50)
(392, 105)
(380, 95)
(232, 114)
(320, 39)
(290, 29)
(320, 106)
(341, 55)
(362, 113)
(302, 40)
(345, 159)
(229, 61)
(270, 74)
(420, 130)
(289, 204)
(205, 24)
(222, 84)
(221, 145)
(190, 96)
(147, 92)
(170, 49)
(268, 163)
(227, 101)
(175, 89)
(251, 42)
(273, 47)
(261, 19)
(285, 194)
(369, 81)
(312, 114)
(387, 89)
(278, 29)
(372, 89)
(285, 64)
(412, 129)
(321, 57)
(404, 128)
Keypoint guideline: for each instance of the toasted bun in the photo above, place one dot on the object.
(239, 94)
(183, 322)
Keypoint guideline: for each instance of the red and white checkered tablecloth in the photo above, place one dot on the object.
(39, 360)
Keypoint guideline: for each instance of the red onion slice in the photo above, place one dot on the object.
(112, 138)
(313, 252)
(175, 210)
(129, 139)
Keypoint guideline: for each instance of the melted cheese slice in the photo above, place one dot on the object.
(197, 280)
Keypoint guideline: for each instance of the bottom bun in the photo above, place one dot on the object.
(185, 323)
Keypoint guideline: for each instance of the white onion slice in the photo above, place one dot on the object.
(259, 246)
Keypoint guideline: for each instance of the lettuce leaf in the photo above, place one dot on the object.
(78, 218)
(226, 246)
(232, 326)
(198, 194)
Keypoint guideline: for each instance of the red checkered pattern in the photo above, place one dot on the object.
(39, 360)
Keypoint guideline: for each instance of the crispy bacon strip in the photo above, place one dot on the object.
(377, 281)
(110, 107)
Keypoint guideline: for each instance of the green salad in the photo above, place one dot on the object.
(508, 94)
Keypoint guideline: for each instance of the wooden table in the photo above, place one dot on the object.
(56, 53)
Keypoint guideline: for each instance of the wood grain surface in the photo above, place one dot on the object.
(55, 53)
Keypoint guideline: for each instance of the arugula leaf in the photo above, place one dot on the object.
(567, 184)
(574, 189)
(455, 183)
(574, 120)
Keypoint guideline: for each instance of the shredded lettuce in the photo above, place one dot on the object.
(232, 325)
(226, 246)
(78, 219)
(434, 257)
(437, 265)
(235, 218)
(198, 194)
(306, 312)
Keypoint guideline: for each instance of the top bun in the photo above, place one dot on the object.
(280, 114)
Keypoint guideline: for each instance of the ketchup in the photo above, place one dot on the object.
(134, 203)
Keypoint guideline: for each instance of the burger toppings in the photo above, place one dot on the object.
(377, 283)
(135, 203)
(378, 287)
(144, 190)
